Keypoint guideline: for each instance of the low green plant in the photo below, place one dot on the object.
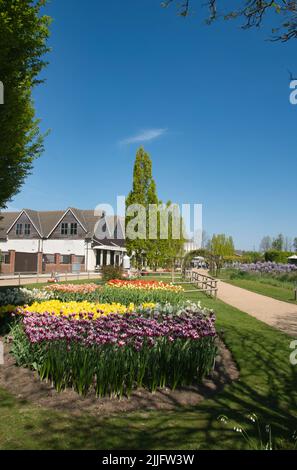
(112, 272)
(138, 296)
(260, 437)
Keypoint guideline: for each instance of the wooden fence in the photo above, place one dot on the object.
(203, 283)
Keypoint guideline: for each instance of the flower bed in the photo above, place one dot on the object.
(21, 296)
(139, 296)
(73, 288)
(78, 310)
(147, 285)
(116, 353)
(267, 267)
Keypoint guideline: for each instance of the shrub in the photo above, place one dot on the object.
(112, 272)
(277, 256)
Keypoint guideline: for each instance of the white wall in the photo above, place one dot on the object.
(23, 246)
(90, 257)
(64, 247)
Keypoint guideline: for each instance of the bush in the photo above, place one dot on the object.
(277, 256)
(112, 272)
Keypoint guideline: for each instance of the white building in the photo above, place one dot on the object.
(59, 241)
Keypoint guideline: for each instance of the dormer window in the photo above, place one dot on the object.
(19, 229)
(73, 229)
(27, 229)
(64, 228)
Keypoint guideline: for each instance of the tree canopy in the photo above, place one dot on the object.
(156, 242)
(252, 13)
(23, 38)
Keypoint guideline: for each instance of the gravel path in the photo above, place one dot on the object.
(281, 315)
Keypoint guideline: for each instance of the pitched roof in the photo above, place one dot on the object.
(45, 221)
(6, 220)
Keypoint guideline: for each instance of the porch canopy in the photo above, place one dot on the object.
(109, 255)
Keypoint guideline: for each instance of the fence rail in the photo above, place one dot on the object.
(203, 283)
(19, 279)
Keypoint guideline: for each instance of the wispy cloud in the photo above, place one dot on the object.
(10, 208)
(145, 135)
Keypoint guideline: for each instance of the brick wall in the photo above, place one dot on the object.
(8, 268)
(43, 268)
(58, 267)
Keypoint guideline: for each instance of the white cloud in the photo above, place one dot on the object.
(144, 136)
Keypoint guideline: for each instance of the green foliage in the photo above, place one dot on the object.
(138, 296)
(222, 245)
(152, 246)
(23, 36)
(192, 254)
(165, 251)
(265, 244)
(112, 272)
(267, 386)
(295, 244)
(278, 243)
(143, 192)
(277, 256)
(108, 294)
(251, 257)
(20, 347)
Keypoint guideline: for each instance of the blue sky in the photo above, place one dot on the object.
(210, 105)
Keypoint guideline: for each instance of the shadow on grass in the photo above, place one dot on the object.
(267, 387)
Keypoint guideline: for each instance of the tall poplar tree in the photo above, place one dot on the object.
(152, 249)
(143, 192)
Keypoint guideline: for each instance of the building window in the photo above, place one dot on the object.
(49, 259)
(64, 228)
(5, 258)
(80, 259)
(19, 229)
(73, 229)
(27, 229)
(65, 259)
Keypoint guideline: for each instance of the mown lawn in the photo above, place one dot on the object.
(271, 287)
(267, 387)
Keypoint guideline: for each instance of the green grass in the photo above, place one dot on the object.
(271, 287)
(267, 387)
